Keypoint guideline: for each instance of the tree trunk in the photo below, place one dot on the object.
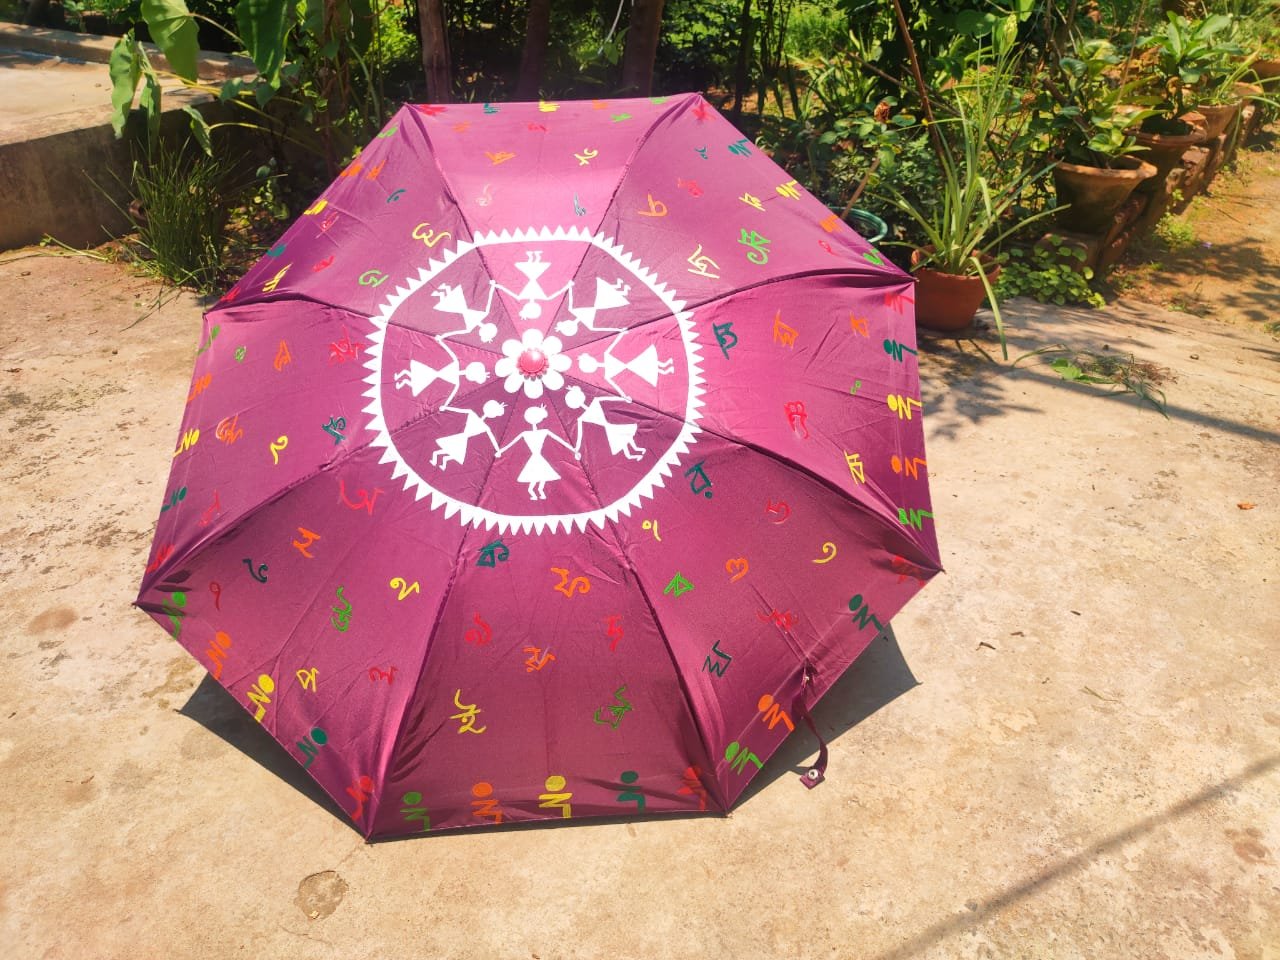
(537, 30)
(642, 47)
(435, 51)
(741, 74)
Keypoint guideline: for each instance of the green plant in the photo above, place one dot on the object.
(1185, 55)
(1083, 112)
(1126, 374)
(974, 208)
(184, 199)
(1175, 233)
(320, 70)
(1046, 275)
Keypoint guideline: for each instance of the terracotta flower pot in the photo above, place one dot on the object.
(1165, 150)
(1217, 117)
(944, 301)
(1266, 69)
(1094, 193)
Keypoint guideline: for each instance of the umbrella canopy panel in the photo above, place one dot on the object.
(551, 462)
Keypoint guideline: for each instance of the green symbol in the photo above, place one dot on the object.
(240, 352)
(872, 257)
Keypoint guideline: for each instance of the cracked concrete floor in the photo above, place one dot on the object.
(1067, 747)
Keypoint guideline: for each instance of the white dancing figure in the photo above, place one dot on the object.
(532, 296)
(609, 296)
(538, 470)
(451, 299)
(454, 446)
(418, 376)
(621, 436)
(645, 365)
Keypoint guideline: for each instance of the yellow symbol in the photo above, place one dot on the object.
(586, 156)
(656, 209)
(428, 236)
(280, 443)
(315, 208)
(275, 281)
(467, 718)
(828, 553)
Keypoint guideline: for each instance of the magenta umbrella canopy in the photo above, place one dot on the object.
(552, 465)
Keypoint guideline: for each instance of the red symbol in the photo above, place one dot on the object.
(480, 634)
(613, 628)
(785, 620)
(323, 264)
(165, 553)
(779, 509)
(431, 109)
(360, 791)
(906, 570)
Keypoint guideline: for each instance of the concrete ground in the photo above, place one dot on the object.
(1067, 747)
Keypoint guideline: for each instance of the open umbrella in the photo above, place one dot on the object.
(555, 461)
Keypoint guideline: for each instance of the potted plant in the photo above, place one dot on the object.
(1181, 53)
(1087, 120)
(972, 210)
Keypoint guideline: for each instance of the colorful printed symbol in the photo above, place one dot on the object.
(555, 798)
(678, 586)
(280, 443)
(406, 589)
(651, 525)
(394, 196)
(720, 664)
(485, 805)
(310, 745)
(412, 811)
(570, 587)
(699, 482)
(828, 553)
(629, 777)
(260, 696)
(737, 568)
(466, 716)
(341, 618)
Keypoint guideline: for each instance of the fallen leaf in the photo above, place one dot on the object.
(1017, 633)
(983, 643)
(1246, 505)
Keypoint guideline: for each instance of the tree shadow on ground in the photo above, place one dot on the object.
(979, 911)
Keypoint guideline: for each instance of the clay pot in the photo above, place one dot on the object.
(1217, 117)
(944, 301)
(1266, 69)
(1094, 193)
(1165, 150)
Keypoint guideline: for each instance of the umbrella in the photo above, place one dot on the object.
(553, 464)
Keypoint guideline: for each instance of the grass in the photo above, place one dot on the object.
(183, 202)
(1122, 372)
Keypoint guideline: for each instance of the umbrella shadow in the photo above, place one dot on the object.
(211, 706)
(877, 678)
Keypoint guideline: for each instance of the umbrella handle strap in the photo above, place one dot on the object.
(818, 772)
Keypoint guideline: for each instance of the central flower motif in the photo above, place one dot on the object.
(532, 363)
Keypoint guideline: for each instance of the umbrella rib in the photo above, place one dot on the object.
(657, 622)
(725, 295)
